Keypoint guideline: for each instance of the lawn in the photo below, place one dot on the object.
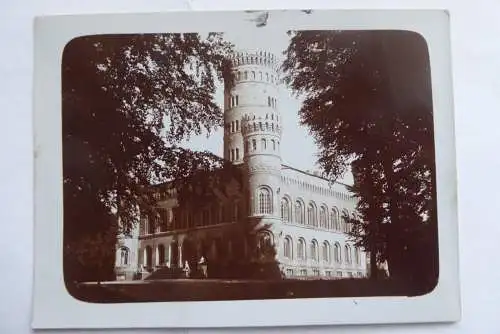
(213, 290)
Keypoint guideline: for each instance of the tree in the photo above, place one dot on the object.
(127, 103)
(368, 101)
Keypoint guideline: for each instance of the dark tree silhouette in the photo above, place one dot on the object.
(368, 101)
(127, 103)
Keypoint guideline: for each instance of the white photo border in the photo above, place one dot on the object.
(54, 307)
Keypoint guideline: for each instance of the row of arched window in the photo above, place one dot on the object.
(253, 75)
(265, 144)
(313, 253)
(172, 219)
(326, 219)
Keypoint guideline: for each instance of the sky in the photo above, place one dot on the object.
(298, 148)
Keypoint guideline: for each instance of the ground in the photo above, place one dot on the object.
(213, 290)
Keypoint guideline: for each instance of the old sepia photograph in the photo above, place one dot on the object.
(267, 163)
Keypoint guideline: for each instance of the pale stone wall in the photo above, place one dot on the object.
(252, 135)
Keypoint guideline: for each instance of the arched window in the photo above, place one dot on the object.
(205, 217)
(348, 258)
(260, 74)
(246, 75)
(299, 212)
(287, 247)
(238, 76)
(322, 217)
(237, 125)
(273, 142)
(161, 254)
(265, 242)
(326, 252)
(232, 126)
(334, 219)
(314, 250)
(357, 255)
(268, 101)
(285, 210)
(148, 253)
(232, 154)
(311, 215)
(345, 221)
(301, 249)
(235, 213)
(263, 143)
(148, 226)
(337, 253)
(267, 77)
(254, 144)
(265, 201)
(124, 252)
(253, 75)
(237, 154)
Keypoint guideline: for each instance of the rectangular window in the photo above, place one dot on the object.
(268, 101)
(237, 125)
(237, 154)
(237, 102)
(232, 154)
(254, 144)
(232, 126)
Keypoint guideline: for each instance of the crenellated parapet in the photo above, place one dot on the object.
(256, 57)
(268, 124)
(256, 66)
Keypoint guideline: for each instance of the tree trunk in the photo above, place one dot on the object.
(373, 265)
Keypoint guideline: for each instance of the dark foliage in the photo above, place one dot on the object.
(368, 102)
(127, 103)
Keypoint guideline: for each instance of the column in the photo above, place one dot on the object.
(180, 255)
(169, 254)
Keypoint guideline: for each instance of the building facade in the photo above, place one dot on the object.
(299, 213)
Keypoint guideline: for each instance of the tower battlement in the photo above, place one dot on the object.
(251, 124)
(255, 57)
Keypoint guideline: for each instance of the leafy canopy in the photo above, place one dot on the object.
(128, 101)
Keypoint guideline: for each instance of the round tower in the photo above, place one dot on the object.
(253, 131)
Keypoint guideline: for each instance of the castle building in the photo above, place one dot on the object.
(299, 212)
